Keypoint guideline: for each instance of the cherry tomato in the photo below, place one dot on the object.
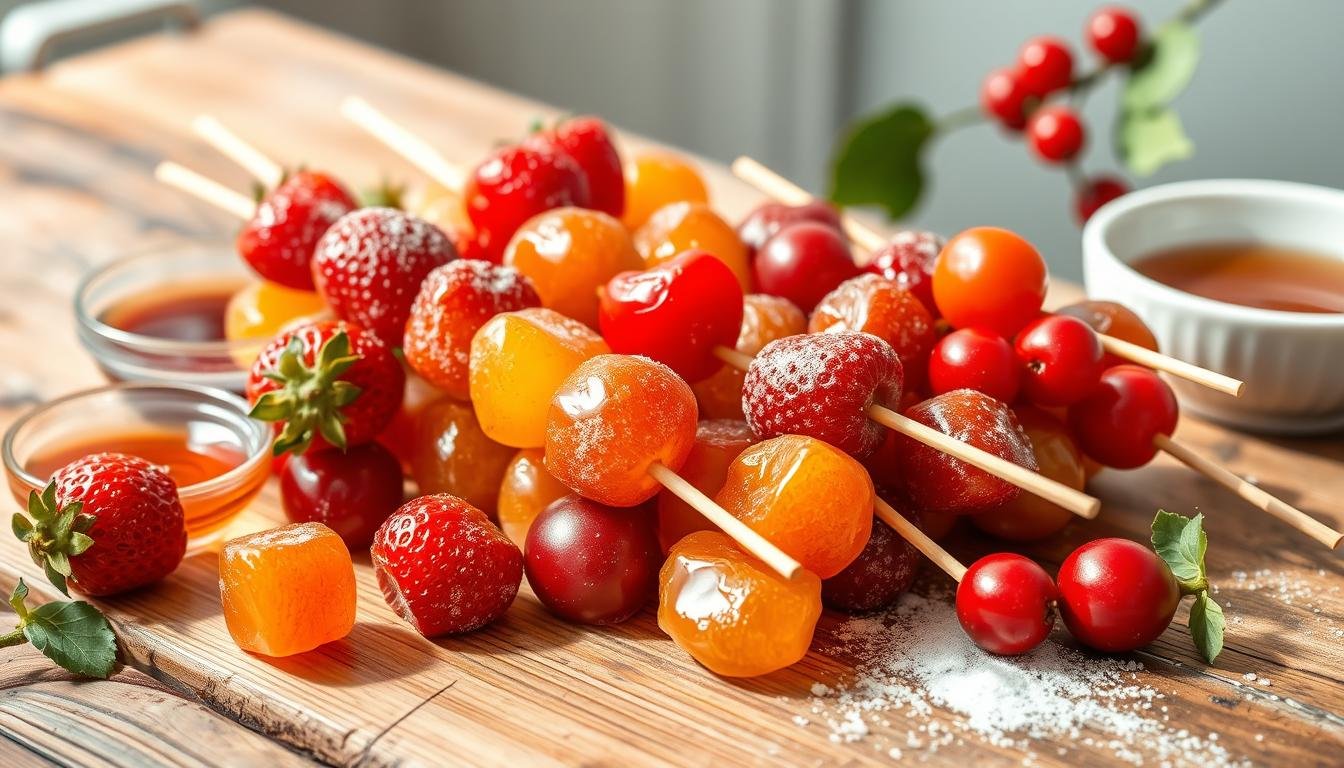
(1046, 65)
(1117, 423)
(1060, 358)
(350, 492)
(975, 358)
(675, 313)
(989, 277)
(1029, 517)
(1116, 595)
(803, 263)
(1113, 33)
(1005, 602)
(768, 219)
(1115, 320)
(908, 259)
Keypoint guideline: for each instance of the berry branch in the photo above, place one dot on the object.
(880, 160)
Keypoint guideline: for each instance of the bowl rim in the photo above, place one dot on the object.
(232, 478)
(1097, 227)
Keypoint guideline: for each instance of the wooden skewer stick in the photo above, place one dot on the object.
(743, 534)
(206, 189)
(414, 149)
(908, 531)
(870, 240)
(232, 146)
(1075, 501)
(1251, 492)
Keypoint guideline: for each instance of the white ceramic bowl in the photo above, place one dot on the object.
(1292, 362)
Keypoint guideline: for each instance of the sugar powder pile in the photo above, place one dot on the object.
(914, 663)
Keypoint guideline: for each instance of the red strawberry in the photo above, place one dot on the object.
(586, 141)
(444, 567)
(107, 522)
(515, 184)
(278, 241)
(327, 383)
(369, 265)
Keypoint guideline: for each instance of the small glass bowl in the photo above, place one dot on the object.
(127, 356)
(202, 416)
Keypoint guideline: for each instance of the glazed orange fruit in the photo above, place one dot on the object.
(654, 179)
(612, 419)
(527, 488)
(450, 453)
(568, 253)
(764, 319)
(717, 443)
(287, 590)
(873, 304)
(730, 612)
(808, 498)
(1029, 517)
(686, 226)
(518, 359)
(262, 309)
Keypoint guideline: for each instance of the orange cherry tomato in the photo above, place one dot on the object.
(989, 277)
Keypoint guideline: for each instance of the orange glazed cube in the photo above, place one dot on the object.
(287, 590)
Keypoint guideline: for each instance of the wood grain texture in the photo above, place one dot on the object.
(74, 170)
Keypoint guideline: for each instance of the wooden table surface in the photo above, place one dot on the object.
(79, 143)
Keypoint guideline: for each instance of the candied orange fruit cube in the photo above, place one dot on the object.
(287, 590)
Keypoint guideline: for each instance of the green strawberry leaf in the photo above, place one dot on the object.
(878, 162)
(1181, 543)
(1151, 139)
(1165, 70)
(17, 597)
(23, 529)
(1207, 625)
(56, 578)
(75, 636)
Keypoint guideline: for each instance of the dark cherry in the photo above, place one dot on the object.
(882, 572)
(350, 492)
(1116, 595)
(803, 263)
(768, 219)
(1005, 603)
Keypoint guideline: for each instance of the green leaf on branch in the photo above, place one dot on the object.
(1150, 140)
(74, 635)
(878, 162)
(1181, 543)
(1166, 69)
(1207, 625)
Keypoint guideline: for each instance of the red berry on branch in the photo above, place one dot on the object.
(1046, 65)
(1096, 193)
(1113, 33)
(1003, 96)
(1055, 133)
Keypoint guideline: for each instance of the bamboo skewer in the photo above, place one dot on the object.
(869, 240)
(204, 188)
(414, 149)
(928, 547)
(232, 146)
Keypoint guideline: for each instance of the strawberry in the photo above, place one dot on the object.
(369, 265)
(327, 383)
(586, 141)
(515, 184)
(444, 567)
(107, 523)
(278, 240)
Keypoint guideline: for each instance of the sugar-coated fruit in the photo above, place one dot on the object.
(450, 453)
(806, 497)
(1112, 319)
(686, 226)
(731, 612)
(613, 418)
(908, 258)
(677, 313)
(991, 278)
(517, 361)
(278, 241)
(938, 482)
(803, 263)
(516, 183)
(568, 253)
(873, 304)
(590, 563)
(262, 309)
(767, 219)
(454, 301)
(588, 143)
(287, 590)
(351, 492)
(882, 572)
(444, 567)
(764, 319)
(527, 489)
(1005, 603)
(655, 179)
(717, 443)
(1116, 595)
(821, 385)
(1118, 421)
(1029, 517)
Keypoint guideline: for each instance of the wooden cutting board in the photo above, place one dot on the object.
(79, 143)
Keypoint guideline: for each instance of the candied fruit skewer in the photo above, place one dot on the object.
(395, 137)
(921, 541)
(785, 191)
(234, 147)
(206, 189)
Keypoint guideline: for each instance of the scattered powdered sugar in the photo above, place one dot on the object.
(914, 665)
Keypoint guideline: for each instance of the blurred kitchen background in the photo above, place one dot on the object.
(780, 80)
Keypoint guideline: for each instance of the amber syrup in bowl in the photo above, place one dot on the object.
(159, 316)
(218, 457)
(1251, 274)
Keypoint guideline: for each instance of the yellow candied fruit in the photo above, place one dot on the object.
(654, 179)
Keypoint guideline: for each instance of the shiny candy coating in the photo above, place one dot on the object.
(686, 226)
(1029, 517)
(873, 304)
(764, 319)
(527, 489)
(451, 454)
(655, 179)
(717, 443)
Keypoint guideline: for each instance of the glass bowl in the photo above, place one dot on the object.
(211, 427)
(162, 275)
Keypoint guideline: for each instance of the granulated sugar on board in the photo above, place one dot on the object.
(914, 663)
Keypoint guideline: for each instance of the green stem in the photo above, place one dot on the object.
(1196, 9)
(960, 119)
(13, 638)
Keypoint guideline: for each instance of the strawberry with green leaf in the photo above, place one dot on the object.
(72, 634)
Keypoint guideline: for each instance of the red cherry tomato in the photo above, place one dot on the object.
(1003, 97)
(1060, 358)
(351, 492)
(1113, 33)
(675, 313)
(515, 184)
(1046, 65)
(803, 263)
(1117, 422)
(1004, 602)
(1056, 134)
(974, 358)
(1095, 193)
(989, 277)
(1116, 595)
